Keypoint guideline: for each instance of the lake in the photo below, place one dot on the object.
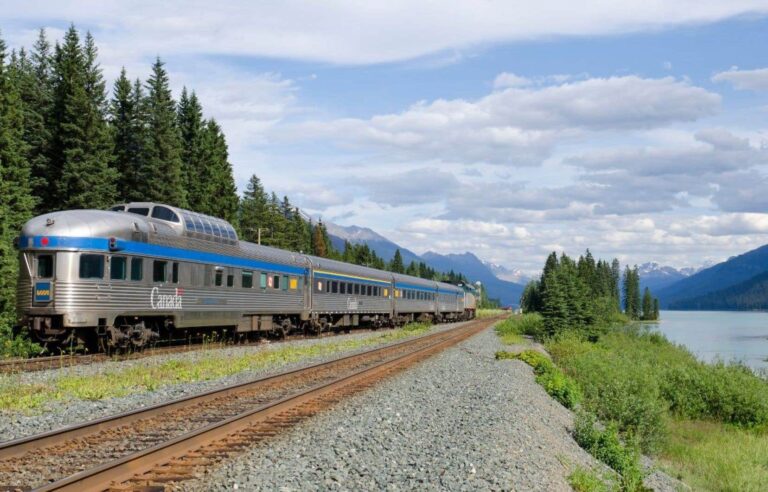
(713, 335)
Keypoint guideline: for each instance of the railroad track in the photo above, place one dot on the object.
(12, 366)
(150, 448)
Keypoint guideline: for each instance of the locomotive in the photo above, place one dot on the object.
(127, 276)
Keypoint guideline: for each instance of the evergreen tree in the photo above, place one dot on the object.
(616, 279)
(647, 305)
(253, 210)
(33, 82)
(397, 263)
(16, 202)
(162, 174)
(655, 308)
(319, 246)
(129, 137)
(81, 147)
(221, 200)
(196, 173)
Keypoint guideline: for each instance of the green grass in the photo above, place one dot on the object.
(149, 377)
(717, 457)
(512, 329)
(490, 313)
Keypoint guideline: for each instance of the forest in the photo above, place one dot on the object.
(587, 295)
(66, 142)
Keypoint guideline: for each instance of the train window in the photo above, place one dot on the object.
(216, 230)
(175, 272)
(91, 266)
(369, 290)
(139, 211)
(275, 282)
(158, 270)
(137, 269)
(285, 282)
(357, 289)
(117, 268)
(343, 288)
(207, 226)
(164, 213)
(386, 292)
(218, 278)
(334, 287)
(45, 266)
(247, 280)
(263, 280)
(230, 280)
(319, 285)
(294, 283)
(117, 208)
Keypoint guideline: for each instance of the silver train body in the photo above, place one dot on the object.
(124, 276)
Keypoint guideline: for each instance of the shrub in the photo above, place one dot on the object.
(18, 346)
(606, 446)
(585, 480)
(556, 383)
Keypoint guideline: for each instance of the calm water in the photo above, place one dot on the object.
(713, 335)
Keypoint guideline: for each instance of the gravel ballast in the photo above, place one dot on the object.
(458, 421)
(60, 413)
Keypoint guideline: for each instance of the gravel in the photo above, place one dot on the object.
(459, 421)
(60, 413)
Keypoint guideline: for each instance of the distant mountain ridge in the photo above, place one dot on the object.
(656, 277)
(750, 295)
(508, 274)
(730, 273)
(466, 263)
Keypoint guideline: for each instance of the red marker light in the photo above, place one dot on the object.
(44, 241)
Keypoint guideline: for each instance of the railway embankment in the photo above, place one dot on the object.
(461, 420)
(36, 402)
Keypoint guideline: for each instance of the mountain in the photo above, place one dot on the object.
(508, 274)
(750, 295)
(383, 247)
(656, 277)
(717, 278)
(471, 266)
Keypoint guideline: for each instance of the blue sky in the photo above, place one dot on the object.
(506, 128)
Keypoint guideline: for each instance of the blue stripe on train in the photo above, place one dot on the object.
(156, 250)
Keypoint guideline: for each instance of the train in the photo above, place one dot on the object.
(143, 271)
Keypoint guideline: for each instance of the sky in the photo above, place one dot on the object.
(506, 128)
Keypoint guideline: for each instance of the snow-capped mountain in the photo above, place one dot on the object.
(508, 274)
(656, 276)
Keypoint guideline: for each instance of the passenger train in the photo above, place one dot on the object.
(127, 276)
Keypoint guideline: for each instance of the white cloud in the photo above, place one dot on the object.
(520, 126)
(725, 224)
(462, 227)
(755, 80)
(506, 79)
(358, 32)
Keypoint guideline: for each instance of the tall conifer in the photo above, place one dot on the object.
(81, 150)
(163, 169)
(221, 194)
(195, 173)
(129, 137)
(16, 201)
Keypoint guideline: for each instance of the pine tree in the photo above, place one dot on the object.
(655, 308)
(82, 147)
(196, 173)
(253, 210)
(397, 263)
(129, 137)
(319, 247)
(37, 94)
(16, 202)
(221, 200)
(647, 305)
(162, 173)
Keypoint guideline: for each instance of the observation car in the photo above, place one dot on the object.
(140, 271)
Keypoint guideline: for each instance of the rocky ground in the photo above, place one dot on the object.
(459, 421)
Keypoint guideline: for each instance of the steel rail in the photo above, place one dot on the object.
(132, 466)
(17, 447)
